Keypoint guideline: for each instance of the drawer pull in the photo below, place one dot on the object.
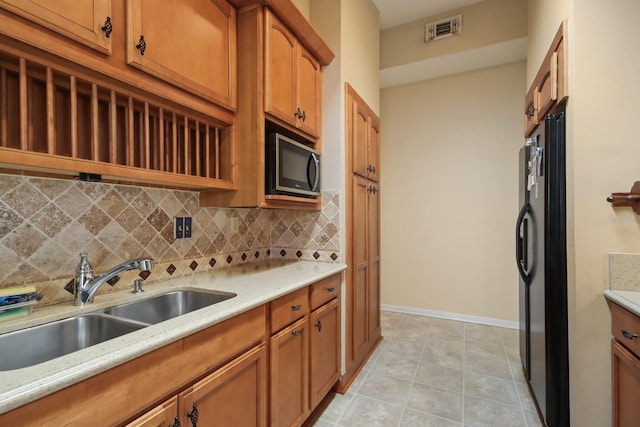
(176, 423)
(318, 325)
(107, 27)
(193, 415)
(629, 335)
(296, 333)
(331, 289)
(296, 307)
(142, 45)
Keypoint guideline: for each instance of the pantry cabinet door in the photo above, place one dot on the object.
(191, 44)
(82, 21)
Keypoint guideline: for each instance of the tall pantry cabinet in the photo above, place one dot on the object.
(363, 234)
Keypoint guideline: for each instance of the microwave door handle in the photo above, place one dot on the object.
(313, 160)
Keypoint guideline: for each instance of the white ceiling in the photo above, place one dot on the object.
(396, 12)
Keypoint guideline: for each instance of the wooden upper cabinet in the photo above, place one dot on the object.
(280, 69)
(82, 21)
(366, 141)
(309, 89)
(190, 44)
(550, 85)
(293, 78)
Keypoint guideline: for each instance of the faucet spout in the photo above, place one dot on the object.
(86, 284)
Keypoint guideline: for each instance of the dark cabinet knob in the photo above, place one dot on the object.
(176, 423)
(318, 325)
(193, 415)
(296, 333)
(629, 335)
(296, 307)
(107, 27)
(142, 45)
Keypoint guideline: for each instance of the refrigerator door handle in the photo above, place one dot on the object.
(522, 245)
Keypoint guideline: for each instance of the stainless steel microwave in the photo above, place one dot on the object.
(291, 168)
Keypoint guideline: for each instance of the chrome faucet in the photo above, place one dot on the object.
(86, 284)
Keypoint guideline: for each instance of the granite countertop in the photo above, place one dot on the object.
(254, 284)
(626, 299)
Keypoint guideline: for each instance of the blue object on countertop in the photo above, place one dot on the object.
(15, 299)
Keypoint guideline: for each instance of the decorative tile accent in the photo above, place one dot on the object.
(45, 223)
(69, 287)
(193, 265)
(144, 274)
(113, 281)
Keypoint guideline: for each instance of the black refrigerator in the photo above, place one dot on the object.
(541, 258)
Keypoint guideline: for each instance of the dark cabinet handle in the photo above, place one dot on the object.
(193, 415)
(176, 423)
(371, 169)
(531, 111)
(142, 45)
(296, 333)
(107, 27)
(331, 289)
(318, 325)
(303, 116)
(296, 307)
(629, 335)
(297, 113)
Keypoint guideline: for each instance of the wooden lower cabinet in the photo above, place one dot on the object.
(625, 367)
(324, 347)
(234, 395)
(305, 355)
(289, 380)
(163, 415)
(626, 386)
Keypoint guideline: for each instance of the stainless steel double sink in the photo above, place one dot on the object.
(30, 346)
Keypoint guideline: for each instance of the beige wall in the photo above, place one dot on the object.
(304, 6)
(483, 24)
(450, 192)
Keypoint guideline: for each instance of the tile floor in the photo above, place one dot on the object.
(432, 372)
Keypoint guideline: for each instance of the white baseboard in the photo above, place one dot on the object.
(452, 316)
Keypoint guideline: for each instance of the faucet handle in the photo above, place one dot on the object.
(84, 267)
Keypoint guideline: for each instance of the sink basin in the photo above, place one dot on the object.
(38, 344)
(166, 306)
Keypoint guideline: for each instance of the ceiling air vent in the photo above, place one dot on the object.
(443, 28)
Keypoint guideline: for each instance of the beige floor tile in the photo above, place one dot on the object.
(412, 418)
(496, 367)
(396, 365)
(493, 388)
(488, 413)
(385, 387)
(439, 376)
(435, 401)
(334, 407)
(367, 412)
(405, 349)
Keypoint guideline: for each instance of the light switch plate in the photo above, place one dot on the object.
(187, 227)
(178, 227)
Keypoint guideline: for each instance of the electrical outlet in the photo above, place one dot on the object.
(178, 227)
(187, 227)
(235, 224)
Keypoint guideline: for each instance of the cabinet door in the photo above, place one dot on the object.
(324, 350)
(626, 386)
(164, 415)
(374, 149)
(373, 317)
(234, 395)
(309, 91)
(360, 264)
(81, 21)
(191, 44)
(360, 138)
(279, 70)
(289, 386)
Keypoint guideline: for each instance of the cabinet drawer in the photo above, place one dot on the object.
(324, 291)
(625, 327)
(289, 308)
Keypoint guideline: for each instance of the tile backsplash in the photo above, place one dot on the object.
(45, 223)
